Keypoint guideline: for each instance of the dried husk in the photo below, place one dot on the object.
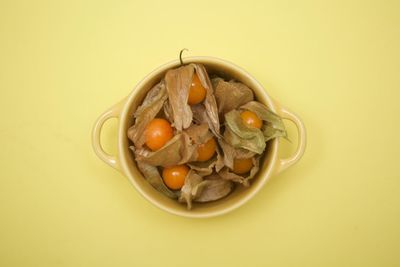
(204, 168)
(214, 188)
(219, 164)
(227, 174)
(231, 153)
(199, 114)
(207, 167)
(230, 95)
(178, 82)
(168, 112)
(147, 111)
(210, 102)
(182, 148)
(172, 153)
(199, 134)
(210, 188)
(153, 177)
(191, 188)
(238, 135)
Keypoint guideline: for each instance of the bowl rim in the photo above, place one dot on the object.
(122, 134)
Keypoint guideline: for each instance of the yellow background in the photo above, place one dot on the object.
(335, 63)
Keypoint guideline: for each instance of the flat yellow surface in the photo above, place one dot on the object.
(335, 63)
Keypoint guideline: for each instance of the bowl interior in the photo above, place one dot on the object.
(241, 194)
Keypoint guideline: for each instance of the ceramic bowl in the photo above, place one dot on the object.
(124, 161)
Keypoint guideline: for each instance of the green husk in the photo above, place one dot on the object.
(273, 125)
(238, 135)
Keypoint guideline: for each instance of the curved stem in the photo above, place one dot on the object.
(180, 55)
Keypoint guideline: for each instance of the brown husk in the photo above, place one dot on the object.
(210, 103)
(219, 164)
(147, 111)
(199, 114)
(178, 82)
(204, 190)
(199, 133)
(153, 177)
(215, 188)
(230, 95)
(204, 168)
(182, 148)
(192, 188)
(227, 174)
(173, 153)
(231, 153)
(168, 112)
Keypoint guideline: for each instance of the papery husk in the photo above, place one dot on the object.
(168, 112)
(207, 167)
(199, 114)
(153, 177)
(169, 155)
(219, 163)
(210, 102)
(147, 111)
(270, 132)
(238, 135)
(178, 82)
(204, 168)
(230, 95)
(213, 188)
(227, 174)
(210, 188)
(191, 188)
(231, 153)
(182, 148)
(273, 125)
(199, 134)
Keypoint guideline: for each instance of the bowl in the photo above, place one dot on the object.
(124, 161)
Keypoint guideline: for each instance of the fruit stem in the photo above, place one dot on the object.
(180, 55)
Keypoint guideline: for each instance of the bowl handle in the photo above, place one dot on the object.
(113, 112)
(283, 164)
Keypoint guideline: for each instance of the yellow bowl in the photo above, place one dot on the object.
(125, 163)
